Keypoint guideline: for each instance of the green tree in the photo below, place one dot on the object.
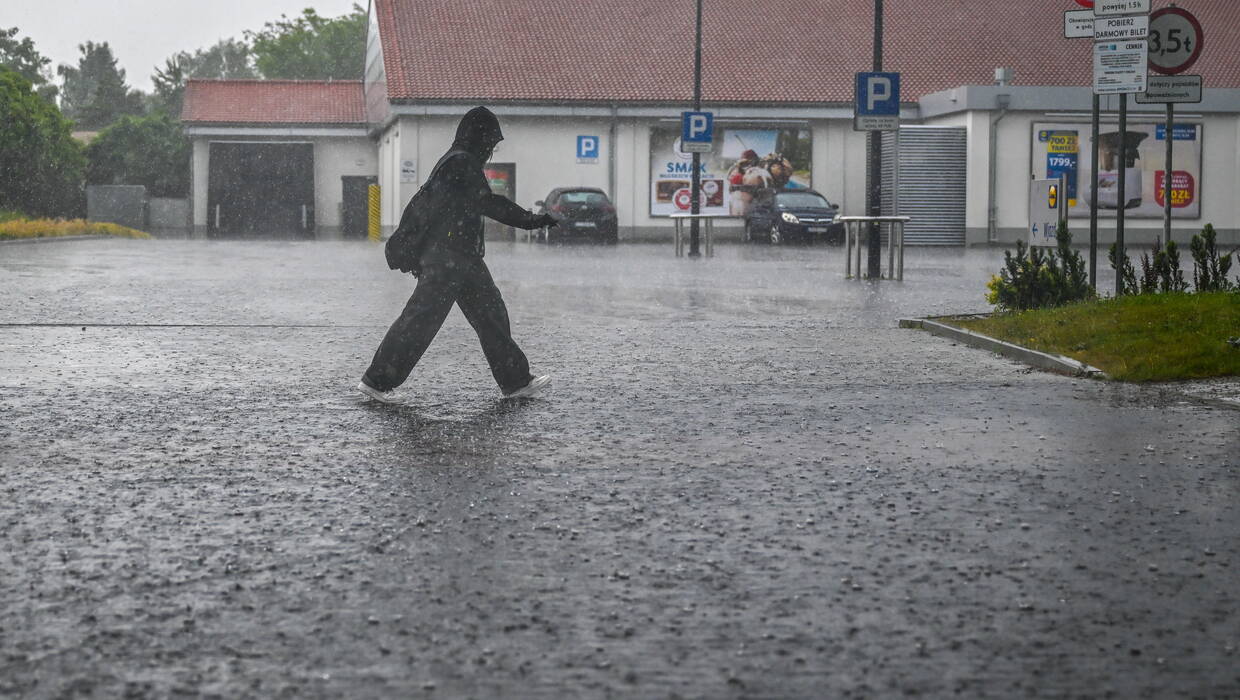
(228, 59)
(40, 162)
(150, 151)
(310, 47)
(25, 59)
(94, 93)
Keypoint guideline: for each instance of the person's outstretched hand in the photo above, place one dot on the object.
(546, 220)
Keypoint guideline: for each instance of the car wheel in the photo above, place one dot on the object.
(776, 238)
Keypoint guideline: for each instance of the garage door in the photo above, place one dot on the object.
(930, 184)
(260, 189)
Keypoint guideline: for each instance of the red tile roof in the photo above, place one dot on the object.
(767, 51)
(337, 102)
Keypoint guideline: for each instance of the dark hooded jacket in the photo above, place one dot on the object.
(463, 195)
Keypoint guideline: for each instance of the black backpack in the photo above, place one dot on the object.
(416, 228)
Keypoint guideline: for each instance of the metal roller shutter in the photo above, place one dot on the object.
(931, 183)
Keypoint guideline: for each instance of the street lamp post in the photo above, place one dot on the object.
(695, 196)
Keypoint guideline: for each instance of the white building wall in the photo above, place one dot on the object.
(832, 168)
(388, 170)
(1220, 173)
(1234, 169)
(199, 167)
(1220, 167)
(856, 160)
(334, 159)
(1014, 153)
(631, 199)
(545, 153)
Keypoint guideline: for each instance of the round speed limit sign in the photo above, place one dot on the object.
(1175, 40)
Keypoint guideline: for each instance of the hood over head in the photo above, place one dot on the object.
(478, 132)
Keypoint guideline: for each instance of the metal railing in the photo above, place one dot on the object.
(708, 231)
(853, 226)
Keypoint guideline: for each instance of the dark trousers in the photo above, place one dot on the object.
(449, 277)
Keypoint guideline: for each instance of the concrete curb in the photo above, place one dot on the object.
(49, 239)
(1041, 360)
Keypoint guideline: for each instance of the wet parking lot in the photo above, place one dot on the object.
(746, 481)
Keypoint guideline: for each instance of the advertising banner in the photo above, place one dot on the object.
(1064, 149)
(741, 162)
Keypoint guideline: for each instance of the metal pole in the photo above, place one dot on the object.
(695, 197)
(1122, 200)
(1093, 202)
(1167, 175)
(874, 206)
(848, 244)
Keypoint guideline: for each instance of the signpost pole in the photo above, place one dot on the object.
(1167, 175)
(1093, 201)
(1121, 201)
(695, 196)
(874, 205)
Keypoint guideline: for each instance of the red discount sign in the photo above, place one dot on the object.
(683, 199)
(1183, 188)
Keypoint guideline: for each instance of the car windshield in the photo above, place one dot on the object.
(593, 199)
(801, 200)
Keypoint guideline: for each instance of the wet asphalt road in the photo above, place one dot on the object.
(746, 482)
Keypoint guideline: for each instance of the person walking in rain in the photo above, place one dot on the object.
(453, 272)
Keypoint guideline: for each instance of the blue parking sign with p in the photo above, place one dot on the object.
(587, 147)
(697, 127)
(876, 105)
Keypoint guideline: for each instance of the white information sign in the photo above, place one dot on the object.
(1120, 67)
(1121, 28)
(1171, 89)
(408, 171)
(1078, 24)
(1104, 8)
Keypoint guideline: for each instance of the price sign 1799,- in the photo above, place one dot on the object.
(1175, 40)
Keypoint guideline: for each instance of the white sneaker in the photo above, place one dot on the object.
(536, 385)
(373, 393)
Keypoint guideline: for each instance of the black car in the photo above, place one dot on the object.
(787, 215)
(585, 214)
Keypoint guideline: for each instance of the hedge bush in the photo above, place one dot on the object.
(1031, 279)
(44, 228)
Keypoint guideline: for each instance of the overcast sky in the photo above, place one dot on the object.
(142, 33)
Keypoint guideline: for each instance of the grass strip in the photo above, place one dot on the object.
(1142, 338)
(47, 228)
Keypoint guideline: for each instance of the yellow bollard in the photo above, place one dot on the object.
(372, 219)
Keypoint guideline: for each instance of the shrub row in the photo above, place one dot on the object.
(1031, 279)
(43, 228)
